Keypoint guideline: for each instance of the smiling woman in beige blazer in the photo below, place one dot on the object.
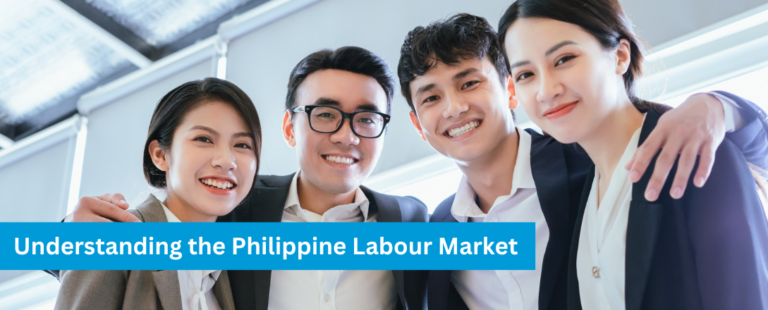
(203, 148)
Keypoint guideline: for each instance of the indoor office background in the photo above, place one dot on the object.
(80, 79)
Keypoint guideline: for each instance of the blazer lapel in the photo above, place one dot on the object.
(642, 228)
(642, 231)
(387, 207)
(167, 286)
(387, 210)
(551, 178)
(266, 204)
(573, 296)
(223, 292)
(270, 209)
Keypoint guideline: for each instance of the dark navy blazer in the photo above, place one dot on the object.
(265, 203)
(707, 250)
(560, 172)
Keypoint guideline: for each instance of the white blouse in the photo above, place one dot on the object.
(602, 248)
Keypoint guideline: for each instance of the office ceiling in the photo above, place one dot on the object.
(55, 51)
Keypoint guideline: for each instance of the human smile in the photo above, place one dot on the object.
(560, 110)
(218, 185)
(461, 130)
(341, 159)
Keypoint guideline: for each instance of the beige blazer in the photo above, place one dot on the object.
(132, 289)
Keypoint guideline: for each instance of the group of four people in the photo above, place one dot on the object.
(612, 230)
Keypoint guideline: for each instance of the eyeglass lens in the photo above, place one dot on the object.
(366, 124)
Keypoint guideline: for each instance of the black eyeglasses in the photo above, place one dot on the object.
(325, 119)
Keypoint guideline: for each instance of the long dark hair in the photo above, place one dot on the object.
(170, 111)
(603, 19)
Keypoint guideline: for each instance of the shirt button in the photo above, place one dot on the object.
(327, 298)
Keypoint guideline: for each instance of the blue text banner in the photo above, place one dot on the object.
(267, 246)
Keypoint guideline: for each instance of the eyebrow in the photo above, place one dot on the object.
(458, 76)
(547, 53)
(214, 132)
(558, 46)
(464, 73)
(367, 106)
(425, 88)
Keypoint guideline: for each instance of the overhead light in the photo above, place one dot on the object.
(46, 58)
(163, 22)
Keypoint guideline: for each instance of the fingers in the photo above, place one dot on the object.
(643, 156)
(116, 199)
(663, 165)
(684, 167)
(90, 209)
(706, 161)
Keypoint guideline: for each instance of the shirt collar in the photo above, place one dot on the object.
(464, 205)
(169, 216)
(292, 202)
(196, 275)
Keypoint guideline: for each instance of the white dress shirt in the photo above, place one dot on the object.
(504, 289)
(330, 289)
(196, 285)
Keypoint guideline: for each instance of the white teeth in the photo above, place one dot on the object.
(340, 160)
(218, 184)
(463, 129)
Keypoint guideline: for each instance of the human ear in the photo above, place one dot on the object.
(513, 103)
(415, 121)
(288, 129)
(158, 155)
(623, 56)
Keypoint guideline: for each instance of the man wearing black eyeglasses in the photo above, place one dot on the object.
(336, 113)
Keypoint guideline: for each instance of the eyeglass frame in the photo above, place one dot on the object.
(344, 115)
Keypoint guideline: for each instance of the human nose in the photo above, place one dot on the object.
(549, 87)
(454, 106)
(224, 158)
(345, 135)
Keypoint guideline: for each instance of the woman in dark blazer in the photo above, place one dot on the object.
(574, 64)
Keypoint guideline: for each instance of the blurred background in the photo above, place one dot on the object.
(79, 80)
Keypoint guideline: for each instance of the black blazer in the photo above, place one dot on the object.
(707, 250)
(560, 172)
(265, 203)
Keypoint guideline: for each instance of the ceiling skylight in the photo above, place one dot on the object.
(163, 22)
(46, 58)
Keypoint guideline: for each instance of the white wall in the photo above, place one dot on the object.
(116, 136)
(659, 21)
(35, 188)
(260, 62)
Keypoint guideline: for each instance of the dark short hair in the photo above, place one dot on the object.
(170, 112)
(459, 37)
(348, 58)
(603, 19)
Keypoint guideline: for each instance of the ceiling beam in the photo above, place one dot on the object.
(104, 36)
(5, 142)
